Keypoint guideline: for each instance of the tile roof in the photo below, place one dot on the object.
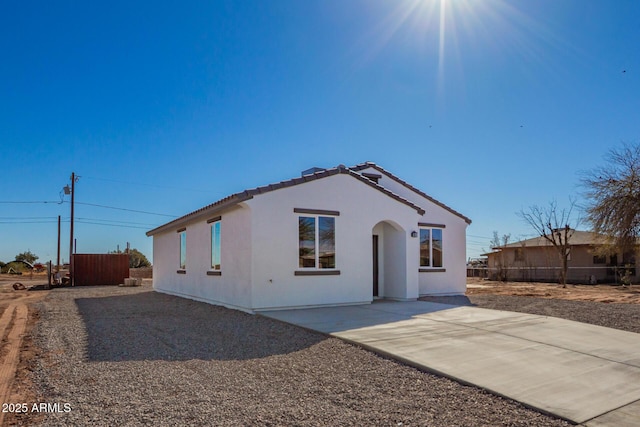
(249, 194)
(366, 165)
(576, 238)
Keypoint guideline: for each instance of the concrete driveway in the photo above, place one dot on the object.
(584, 373)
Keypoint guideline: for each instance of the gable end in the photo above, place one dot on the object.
(367, 165)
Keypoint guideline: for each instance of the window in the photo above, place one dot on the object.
(629, 258)
(430, 247)
(519, 255)
(183, 249)
(215, 245)
(316, 242)
(599, 259)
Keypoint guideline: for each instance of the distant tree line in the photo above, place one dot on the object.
(136, 258)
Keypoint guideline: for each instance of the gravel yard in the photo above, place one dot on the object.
(625, 317)
(129, 356)
(619, 316)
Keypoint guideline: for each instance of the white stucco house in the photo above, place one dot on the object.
(345, 235)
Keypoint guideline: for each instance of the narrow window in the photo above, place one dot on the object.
(327, 238)
(436, 239)
(307, 241)
(183, 250)
(425, 247)
(215, 246)
(431, 247)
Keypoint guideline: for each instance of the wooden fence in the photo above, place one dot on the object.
(100, 269)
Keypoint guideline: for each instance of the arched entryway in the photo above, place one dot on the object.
(389, 266)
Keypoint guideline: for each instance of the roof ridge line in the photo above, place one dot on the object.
(251, 192)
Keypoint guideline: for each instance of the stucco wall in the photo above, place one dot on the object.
(453, 280)
(233, 287)
(398, 272)
(275, 243)
(259, 250)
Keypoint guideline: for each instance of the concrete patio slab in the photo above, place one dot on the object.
(583, 373)
(627, 416)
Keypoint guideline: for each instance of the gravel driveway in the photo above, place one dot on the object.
(130, 356)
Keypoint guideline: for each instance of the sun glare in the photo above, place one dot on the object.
(442, 33)
(450, 30)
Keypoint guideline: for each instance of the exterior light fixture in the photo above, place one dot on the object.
(414, 234)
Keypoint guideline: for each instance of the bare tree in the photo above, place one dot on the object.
(555, 226)
(498, 241)
(613, 197)
(502, 271)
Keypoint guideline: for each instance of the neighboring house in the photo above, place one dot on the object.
(331, 237)
(537, 260)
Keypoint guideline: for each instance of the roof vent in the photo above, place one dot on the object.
(312, 170)
(372, 176)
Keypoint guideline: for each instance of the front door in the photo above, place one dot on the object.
(375, 265)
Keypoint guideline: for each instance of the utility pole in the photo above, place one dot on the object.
(71, 191)
(58, 259)
(73, 195)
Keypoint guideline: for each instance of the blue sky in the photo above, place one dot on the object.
(164, 107)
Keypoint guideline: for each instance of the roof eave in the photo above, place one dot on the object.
(218, 206)
(248, 194)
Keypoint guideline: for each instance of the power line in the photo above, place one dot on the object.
(147, 185)
(476, 240)
(118, 222)
(123, 209)
(479, 237)
(27, 222)
(27, 217)
(27, 202)
(51, 219)
(112, 225)
(17, 222)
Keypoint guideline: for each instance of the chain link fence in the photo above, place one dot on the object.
(581, 275)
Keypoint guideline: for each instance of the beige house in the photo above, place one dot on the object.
(537, 260)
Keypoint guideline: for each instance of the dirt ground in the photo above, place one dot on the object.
(18, 316)
(17, 352)
(596, 293)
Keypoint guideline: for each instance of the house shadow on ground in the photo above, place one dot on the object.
(461, 300)
(155, 326)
